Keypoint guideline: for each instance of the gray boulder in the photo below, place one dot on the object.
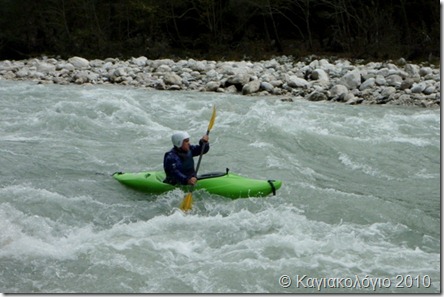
(338, 90)
(238, 80)
(317, 96)
(296, 82)
(140, 61)
(369, 83)
(212, 86)
(172, 78)
(45, 67)
(251, 87)
(79, 62)
(351, 80)
(267, 86)
(418, 87)
(394, 80)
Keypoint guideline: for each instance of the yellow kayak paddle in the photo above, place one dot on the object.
(188, 199)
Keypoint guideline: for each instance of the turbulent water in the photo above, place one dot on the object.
(359, 209)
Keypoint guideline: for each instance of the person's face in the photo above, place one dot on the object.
(185, 145)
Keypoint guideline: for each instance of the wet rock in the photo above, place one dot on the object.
(317, 96)
(251, 87)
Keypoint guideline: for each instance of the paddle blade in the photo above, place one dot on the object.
(213, 118)
(187, 201)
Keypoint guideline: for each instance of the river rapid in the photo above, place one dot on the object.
(358, 211)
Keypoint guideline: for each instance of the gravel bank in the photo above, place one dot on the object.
(311, 79)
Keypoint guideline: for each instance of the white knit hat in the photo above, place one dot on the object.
(178, 138)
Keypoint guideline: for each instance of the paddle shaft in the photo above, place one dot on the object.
(201, 153)
(210, 126)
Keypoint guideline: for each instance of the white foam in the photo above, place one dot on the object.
(367, 169)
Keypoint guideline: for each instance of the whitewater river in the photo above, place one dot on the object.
(358, 211)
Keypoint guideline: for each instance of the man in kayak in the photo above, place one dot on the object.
(178, 163)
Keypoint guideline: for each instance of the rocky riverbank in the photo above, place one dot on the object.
(311, 79)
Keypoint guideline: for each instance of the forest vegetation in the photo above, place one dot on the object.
(220, 29)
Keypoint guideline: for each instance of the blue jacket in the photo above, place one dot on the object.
(179, 165)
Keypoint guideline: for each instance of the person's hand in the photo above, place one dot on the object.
(205, 138)
(192, 181)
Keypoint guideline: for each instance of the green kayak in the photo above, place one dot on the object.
(221, 183)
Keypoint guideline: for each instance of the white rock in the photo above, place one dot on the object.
(394, 80)
(79, 62)
(369, 83)
(425, 71)
(85, 76)
(231, 89)
(338, 90)
(140, 61)
(212, 86)
(320, 74)
(22, 72)
(196, 65)
(411, 69)
(267, 86)
(172, 78)
(156, 63)
(241, 78)
(120, 71)
(268, 77)
(386, 92)
(163, 68)
(316, 96)
(351, 99)
(11, 75)
(351, 80)
(277, 83)
(383, 71)
(418, 87)
(380, 80)
(96, 63)
(251, 87)
(5, 65)
(272, 64)
(429, 90)
(213, 75)
(45, 67)
(296, 82)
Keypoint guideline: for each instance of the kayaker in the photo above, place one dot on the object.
(178, 163)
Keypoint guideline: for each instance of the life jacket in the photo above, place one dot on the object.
(187, 163)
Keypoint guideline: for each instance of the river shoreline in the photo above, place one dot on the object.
(311, 78)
